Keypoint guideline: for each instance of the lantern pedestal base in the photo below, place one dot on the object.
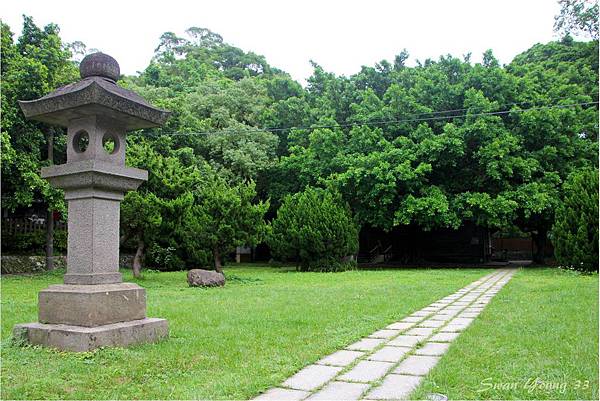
(91, 305)
(81, 339)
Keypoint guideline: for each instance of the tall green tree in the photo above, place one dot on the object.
(37, 63)
(556, 140)
(141, 219)
(220, 216)
(442, 144)
(575, 231)
(416, 164)
(315, 229)
(151, 216)
(577, 17)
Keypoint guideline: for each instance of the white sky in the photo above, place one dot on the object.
(340, 35)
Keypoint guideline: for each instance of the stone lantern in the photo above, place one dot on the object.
(94, 308)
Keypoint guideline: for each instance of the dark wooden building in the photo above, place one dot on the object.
(412, 245)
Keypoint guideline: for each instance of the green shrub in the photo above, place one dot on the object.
(575, 231)
(60, 241)
(164, 258)
(33, 243)
(315, 229)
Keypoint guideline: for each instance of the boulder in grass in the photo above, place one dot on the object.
(205, 278)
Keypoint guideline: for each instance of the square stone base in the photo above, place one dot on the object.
(91, 305)
(81, 339)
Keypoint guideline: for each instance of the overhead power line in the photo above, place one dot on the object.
(382, 122)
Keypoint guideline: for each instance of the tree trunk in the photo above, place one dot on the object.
(49, 239)
(137, 259)
(49, 213)
(217, 256)
(539, 239)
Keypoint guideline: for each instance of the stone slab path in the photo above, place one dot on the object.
(390, 363)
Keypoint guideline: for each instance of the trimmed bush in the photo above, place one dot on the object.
(315, 229)
(33, 243)
(575, 231)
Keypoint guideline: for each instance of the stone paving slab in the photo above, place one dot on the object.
(432, 323)
(441, 317)
(452, 328)
(400, 326)
(390, 354)
(406, 341)
(398, 355)
(449, 312)
(471, 315)
(340, 391)
(433, 349)
(384, 333)
(312, 377)
(394, 387)
(431, 309)
(367, 371)
(417, 365)
(444, 337)
(461, 320)
(341, 358)
(412, 319)
(420, 331)
(366, 344)
(283, 394)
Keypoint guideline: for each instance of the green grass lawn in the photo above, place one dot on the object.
(267, 323)
(537, 339)
(226, 343)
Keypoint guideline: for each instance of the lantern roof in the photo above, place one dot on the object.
(96, 94)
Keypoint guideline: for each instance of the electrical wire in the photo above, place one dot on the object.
(380, 123)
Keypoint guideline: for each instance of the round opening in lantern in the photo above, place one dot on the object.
(81, 141)
(110, 143)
